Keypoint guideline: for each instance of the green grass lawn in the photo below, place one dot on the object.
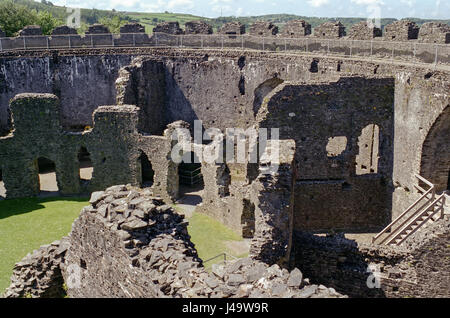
(209, 237)
(26, 224)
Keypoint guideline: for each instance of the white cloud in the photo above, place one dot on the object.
(184, 4)
(367, 2)
(317, 3)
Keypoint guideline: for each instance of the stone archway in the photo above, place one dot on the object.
(435, 160)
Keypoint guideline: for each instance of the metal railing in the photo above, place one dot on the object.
(420, 212)
(412, 51)
(191, 177)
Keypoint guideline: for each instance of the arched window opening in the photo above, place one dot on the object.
(147, 173)
(85, 166)
(47, 176)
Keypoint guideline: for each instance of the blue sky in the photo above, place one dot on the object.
(435, 9)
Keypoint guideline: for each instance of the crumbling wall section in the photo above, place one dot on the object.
(296, 28)
(38, 275)
(364, 31)
(432, 32)
(330, 30)
(198, 27)
(263, 28)
(415, 269)
(130, 244)
(402, 30)
(326, 121)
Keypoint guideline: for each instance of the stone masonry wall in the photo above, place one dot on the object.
(330, 30)
(130, 244)
(236, 28)
(420, 98)
(262, 28)
(198, 27)
(38, 275)
(330, 185)
(296, 28)
(362, 31)
(418, 268)
(433, 32)
(402, 30)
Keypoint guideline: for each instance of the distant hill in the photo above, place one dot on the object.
(149, 20)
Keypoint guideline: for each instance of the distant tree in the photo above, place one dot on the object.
(47, 22)
(113, 23)
(13, 17)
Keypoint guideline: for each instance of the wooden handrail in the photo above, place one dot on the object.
(431, 205)
(424, 196)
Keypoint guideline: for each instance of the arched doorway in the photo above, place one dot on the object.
(435, 160)
(147, 173)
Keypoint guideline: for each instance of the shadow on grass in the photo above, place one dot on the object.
(11, 207)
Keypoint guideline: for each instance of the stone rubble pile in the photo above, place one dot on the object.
(38, 274)
(249, 278)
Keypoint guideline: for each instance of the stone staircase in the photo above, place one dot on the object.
(426, 210)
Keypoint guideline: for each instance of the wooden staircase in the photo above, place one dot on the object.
(426, 210)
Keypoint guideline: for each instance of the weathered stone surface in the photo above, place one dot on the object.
(432, 32)
(296, 28)
(97, 28)
(402, 30)
(364, 31)
(414, 269)
(63, 30)
(198, 27)
(132, 28)
(38, 275)
(30, 30)
(232, 28)
(330, 30)
(168, 27)
(262, 28)
(115, 259)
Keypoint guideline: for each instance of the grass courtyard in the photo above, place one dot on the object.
(26, 224)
